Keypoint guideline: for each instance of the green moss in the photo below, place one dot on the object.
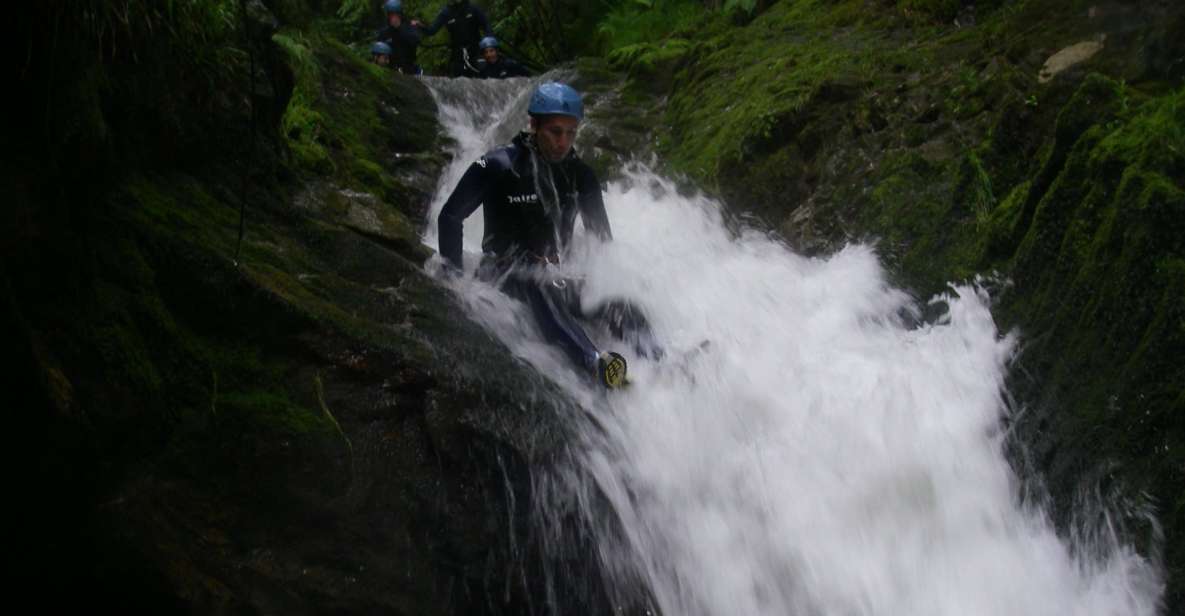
(633, 24)
(965, 97)
(973, 189)
(270, 412)
(942, 10)
(912, 207)
(1098, 100)
(346, 116)
(369, 173)
(743, 93)
(882, 120)
(1000, 234)
(1101, 261)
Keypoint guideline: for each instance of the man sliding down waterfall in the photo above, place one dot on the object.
(532, 190)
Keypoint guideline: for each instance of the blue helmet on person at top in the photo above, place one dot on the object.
(487, 43)
(393, 6)
(555, 98)
(380, 49)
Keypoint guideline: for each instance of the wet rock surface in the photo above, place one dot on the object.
(1022, 145)
(303, 422)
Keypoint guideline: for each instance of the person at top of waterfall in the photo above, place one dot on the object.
(494, 65)
(401, 38)
(466, 24)
(380, 53)
(532, 191)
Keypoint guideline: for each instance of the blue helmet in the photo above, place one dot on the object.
(487, 43)
(555, 98)
(380, 49)
(393, 6)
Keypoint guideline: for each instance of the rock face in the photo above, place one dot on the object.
(936, 138)
(1064, 59)
(300, 422)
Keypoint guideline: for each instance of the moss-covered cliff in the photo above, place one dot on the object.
(298, 423)
(281, 425)
(1039, 140)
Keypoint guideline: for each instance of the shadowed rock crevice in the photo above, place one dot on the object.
(301, 423)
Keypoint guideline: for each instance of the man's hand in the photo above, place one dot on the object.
(416, 23)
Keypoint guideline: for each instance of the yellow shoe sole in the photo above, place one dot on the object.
(613, 370)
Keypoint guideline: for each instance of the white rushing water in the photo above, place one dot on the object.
(821, 457)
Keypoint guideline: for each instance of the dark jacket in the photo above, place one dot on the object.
(404, 41)
(466, 24)
(503, 68)
(519, 192)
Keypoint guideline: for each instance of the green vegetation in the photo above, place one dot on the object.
(300, 124)
(843, 119)
(930, 9)
(636, 23)
(171, 377)
(154, 351)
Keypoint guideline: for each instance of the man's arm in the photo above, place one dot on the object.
(483, 21)
(517, 69)
(441, 18)
(592, 205)
(411, 36)
(466, 197)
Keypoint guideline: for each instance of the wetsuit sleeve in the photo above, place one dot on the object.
(441, 18)
(411, 36)
(466, 197)
(483, 21)
(518, 70)
(592, 206)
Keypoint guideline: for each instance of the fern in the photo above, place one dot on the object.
(354, 10)
(643, 21)
(739, 5)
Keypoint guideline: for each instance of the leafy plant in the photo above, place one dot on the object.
(301, 124)
(355, 10)
(637, 22)
(748, 6)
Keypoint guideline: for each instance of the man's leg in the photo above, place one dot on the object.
(555, 321)
(628, 323)
(456, 63)
(624, 320)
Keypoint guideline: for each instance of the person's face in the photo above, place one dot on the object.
(490, 54)
(382, 60)
(554, 135)
(394, 19)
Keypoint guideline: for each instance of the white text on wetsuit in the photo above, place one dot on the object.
(531, 198)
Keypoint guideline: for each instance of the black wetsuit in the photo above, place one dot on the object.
(404, 42)
(530, 209)
(466, 25)
(503, 68)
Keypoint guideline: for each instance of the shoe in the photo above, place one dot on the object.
(611, 370)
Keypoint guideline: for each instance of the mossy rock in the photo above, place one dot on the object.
(949, 153)
(259, 425)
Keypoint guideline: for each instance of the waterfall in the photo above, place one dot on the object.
(828, 452)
